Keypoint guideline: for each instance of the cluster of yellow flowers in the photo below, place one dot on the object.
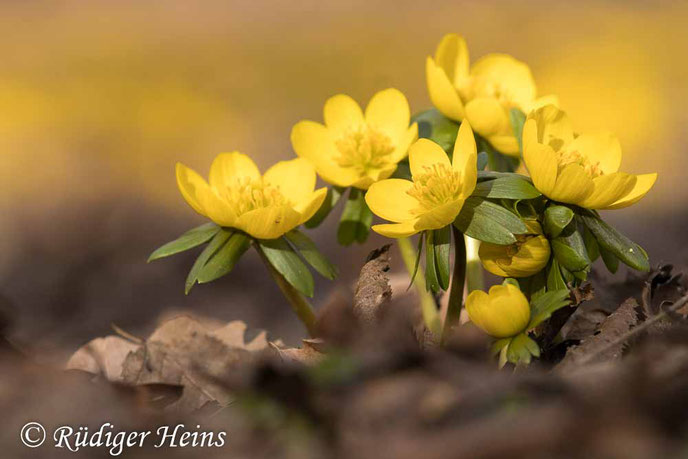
(362, 150)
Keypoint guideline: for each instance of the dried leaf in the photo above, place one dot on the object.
(373, 289)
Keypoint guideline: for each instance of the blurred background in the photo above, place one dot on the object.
(99, 99)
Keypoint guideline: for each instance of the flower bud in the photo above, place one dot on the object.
(525, 257)
(501, 313)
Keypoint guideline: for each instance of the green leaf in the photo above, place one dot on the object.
(287, 262)
(435, 126)
(441, 239)
(431, 282)
(224, 260)
(591, 245)
(332, 198)
(189, 240)
(521, 350)
(492, 175)
(570, 250)
(610, 261)
(356, 219)
(554, 279)
(506, 188)
(482, 160)
(215, 244)
(518, 119)
(542, 307)
(419, 251)
(619, 245)
(309, 251)
(556, 219)
(489, 222)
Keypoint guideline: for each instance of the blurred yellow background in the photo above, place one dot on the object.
(102, 98)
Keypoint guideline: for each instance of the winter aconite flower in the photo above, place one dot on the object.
(353, 148)
(435, 196)
(502, 313)
(578, 169)
(527, 256)
(237, 196)
(484, 93)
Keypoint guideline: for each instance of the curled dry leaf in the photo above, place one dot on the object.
(373, 289)
(310, 353)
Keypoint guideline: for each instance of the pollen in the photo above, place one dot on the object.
(364, 149)
(574, 157)
(245, 195)
(438, 184)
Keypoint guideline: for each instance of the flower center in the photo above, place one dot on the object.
(245, 195)
(364, 149)
(438, 184)
(574, 157)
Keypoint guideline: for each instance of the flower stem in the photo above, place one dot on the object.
(457, 284)
(299, 304)
(474, 269)
(428, 305)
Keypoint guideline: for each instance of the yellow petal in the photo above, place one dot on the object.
(465, 158)
(341, 113)
(440, 216)
(443, 94)
(609, 189)
(509, 311)
(310, 206)
(230, 167)
(512, 76)
(553, 127)
(294, 178)
(268, 222)
(192, 187)
(489, 254)
(573, 185)
(314, 142)
(487, 116)
(389, 112)
(506, 144)
(452, 56)
(643, 184)
(602, 148)
(389, 199)
(401, 149)
(425, 153)
(549, 99)
(396, 230)
(541, 162)
(476, 302)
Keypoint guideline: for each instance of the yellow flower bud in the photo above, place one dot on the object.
(501, 313)
(527, 256)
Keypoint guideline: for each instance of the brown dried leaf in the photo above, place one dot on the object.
(103, 356)
(373, 289)
(310, 353)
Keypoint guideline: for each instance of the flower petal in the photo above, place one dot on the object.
(452, 56)
(310, 206)
(506, 144)
(553, 127)
(549, 99)
(643, 184)
(230, 167)
(389, 199)
(341, 113)
(389, 111)
(465, 158)
(425, 153)
(487, 116)
(540, 160)
(609, 189)
(440, 216)
(397, 230)
(443, 94)
(294, 178)
(476, 302)
(402, 147)
(268, 222)
(512, 76)
(573, 185)
(192, 187)
(601, 148)
(314, 142)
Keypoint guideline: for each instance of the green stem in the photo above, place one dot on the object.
(457, 284)
(474, 269)
(428, 306)
(301, 306)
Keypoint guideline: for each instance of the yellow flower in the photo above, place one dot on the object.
(578, 169)
(527, 256)
(353, 149)
(238, 197)
(435, 196)
(483, 94)
(501, 313)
